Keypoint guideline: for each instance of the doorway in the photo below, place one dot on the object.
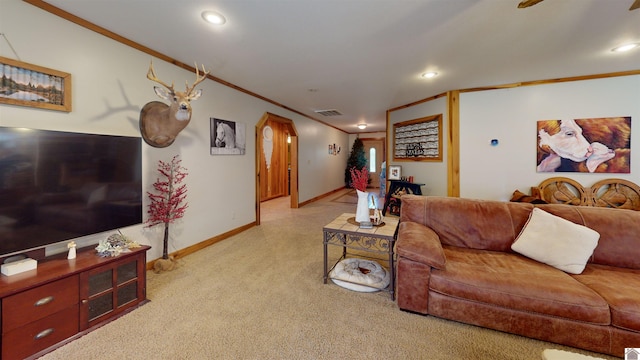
(375, 153)
(276, 160)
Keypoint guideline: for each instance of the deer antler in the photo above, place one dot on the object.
(151, 75)
(199, 79)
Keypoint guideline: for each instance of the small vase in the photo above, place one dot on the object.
(362, 209)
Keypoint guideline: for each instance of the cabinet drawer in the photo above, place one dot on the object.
(35, 304)
(41, 334)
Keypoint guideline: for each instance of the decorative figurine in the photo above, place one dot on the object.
(72, 250)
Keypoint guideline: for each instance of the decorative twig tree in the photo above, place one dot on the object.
(168, 202)
(359, 178)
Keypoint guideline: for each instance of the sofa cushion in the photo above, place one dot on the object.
(557, 242)
(419, 243)
(515, 282)
(620, 287)
(618, 229)
(470, 223)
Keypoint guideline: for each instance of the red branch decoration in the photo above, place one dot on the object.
(360, 178)
(166, 204)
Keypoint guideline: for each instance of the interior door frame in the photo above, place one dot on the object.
(294, 159)
(383, 157)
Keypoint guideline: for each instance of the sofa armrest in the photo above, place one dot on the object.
(421, 244)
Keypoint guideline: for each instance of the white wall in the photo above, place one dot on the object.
(511, 115)
(431, 173)
(319, 171)
(109, 89)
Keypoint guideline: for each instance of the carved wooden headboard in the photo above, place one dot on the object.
(613, 193)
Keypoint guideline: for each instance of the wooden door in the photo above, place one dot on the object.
(293, 160)
(374, 151)
(274, 160)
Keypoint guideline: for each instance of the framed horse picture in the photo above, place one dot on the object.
(227, 137)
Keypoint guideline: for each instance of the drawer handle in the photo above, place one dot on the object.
(44, 301)
(43, 333)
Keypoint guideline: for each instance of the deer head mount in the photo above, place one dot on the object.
(160, 123)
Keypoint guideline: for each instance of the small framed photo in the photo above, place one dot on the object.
(395, 172)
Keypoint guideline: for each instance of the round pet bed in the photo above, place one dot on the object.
(360, 275)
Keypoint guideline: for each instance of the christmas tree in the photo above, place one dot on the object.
(357, 160)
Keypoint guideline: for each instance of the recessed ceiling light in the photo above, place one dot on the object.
(430, 74)
(362, 126)
(625, 47)
(213, 17)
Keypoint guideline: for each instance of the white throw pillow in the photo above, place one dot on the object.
(556, 241)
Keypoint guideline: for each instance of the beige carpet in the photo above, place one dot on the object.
(259, 295)
(348, 196)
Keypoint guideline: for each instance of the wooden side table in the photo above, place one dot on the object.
(345, 232)
(397, 186)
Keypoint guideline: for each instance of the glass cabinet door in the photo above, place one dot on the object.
(111, 289)
(100, 293)
(127, 283)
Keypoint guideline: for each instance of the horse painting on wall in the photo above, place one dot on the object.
(600, 145)
(227, 137)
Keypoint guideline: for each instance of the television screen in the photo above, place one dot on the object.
(56, 186)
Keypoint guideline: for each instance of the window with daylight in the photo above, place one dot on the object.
(372, 160)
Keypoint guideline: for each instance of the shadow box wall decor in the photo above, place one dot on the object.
(35, 86)
(418, 139)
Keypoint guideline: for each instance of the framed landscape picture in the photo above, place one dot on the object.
(31, 85)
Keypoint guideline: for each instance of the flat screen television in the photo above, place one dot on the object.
(56, 186)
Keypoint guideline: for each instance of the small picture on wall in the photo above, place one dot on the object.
(227, 137)
(596, 145)
(395, 172)
(334, 149)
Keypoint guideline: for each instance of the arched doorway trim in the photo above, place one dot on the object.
(291, 128)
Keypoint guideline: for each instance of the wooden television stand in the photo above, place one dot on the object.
(64, 299)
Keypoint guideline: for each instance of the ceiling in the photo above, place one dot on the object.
(363, 57)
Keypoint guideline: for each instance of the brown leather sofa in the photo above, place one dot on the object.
(455, 262)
